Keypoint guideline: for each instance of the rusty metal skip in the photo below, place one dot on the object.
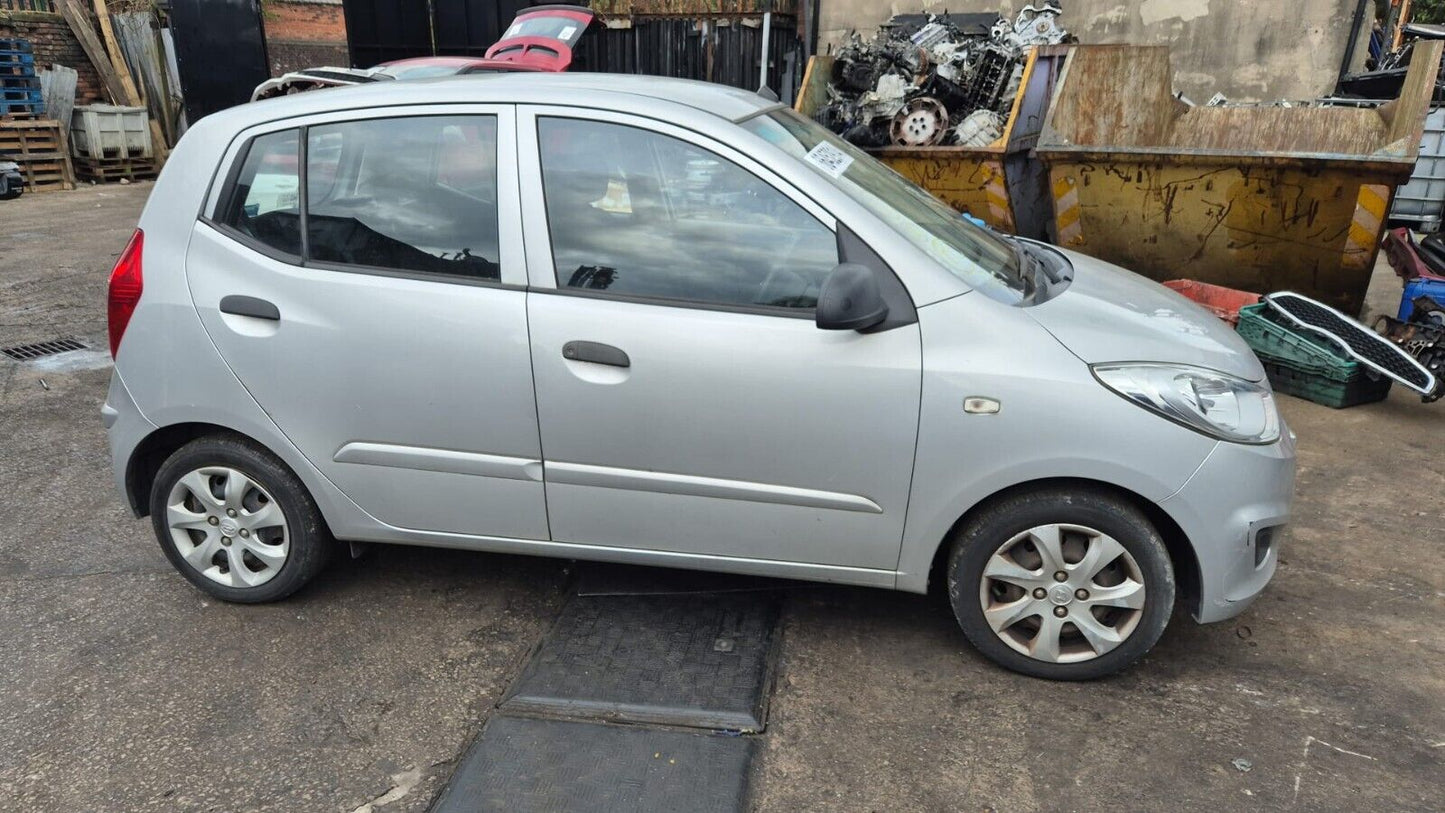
(1260, 199)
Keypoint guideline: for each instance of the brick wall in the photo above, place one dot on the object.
(305, 34)
(55, 43)
(294, 56)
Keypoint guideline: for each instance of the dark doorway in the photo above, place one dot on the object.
(220, 51)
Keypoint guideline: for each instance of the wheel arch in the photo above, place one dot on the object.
(145, 462)
(1182, 557)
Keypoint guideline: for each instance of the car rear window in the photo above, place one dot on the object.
(409, 194)
(416, 194)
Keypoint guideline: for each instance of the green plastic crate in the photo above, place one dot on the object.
(1306, 367)
(1362, 389)
(1282, 344)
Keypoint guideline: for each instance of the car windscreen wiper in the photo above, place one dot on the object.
(1039, 265)
(1032, 270)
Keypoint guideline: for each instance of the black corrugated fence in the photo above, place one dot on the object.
(382, 30)
(716, 48)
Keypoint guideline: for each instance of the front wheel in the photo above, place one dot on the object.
(236, 522)
(1065, 584)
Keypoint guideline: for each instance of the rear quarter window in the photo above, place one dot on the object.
(264, 201)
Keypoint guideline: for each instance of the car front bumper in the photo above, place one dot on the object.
(11, 184)
(1233, 511)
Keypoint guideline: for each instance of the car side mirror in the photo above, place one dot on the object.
(850, 299)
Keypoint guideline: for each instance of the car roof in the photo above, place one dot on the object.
(620, 91)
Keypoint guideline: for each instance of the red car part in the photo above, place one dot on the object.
(1407, 258)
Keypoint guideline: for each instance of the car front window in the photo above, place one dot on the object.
(640, 214)
(985, 261)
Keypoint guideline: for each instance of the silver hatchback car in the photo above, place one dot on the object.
(671, 323)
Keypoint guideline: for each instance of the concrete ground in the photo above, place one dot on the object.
(123, 688)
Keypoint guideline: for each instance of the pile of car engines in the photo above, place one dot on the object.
(935, 79)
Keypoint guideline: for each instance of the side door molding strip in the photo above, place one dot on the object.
(451, 461)
(580, 474)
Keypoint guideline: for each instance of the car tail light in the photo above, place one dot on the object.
(125, 288)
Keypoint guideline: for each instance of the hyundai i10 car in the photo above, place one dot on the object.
(670, 323)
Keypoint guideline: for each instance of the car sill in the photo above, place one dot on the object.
(836, 574)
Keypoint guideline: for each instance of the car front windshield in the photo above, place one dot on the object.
(983, 260)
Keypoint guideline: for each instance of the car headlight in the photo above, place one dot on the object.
(1214, 403)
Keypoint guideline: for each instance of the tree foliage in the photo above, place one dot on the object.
(1427, 11)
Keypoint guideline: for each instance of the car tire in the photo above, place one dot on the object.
(257, 537)
(1028, 613)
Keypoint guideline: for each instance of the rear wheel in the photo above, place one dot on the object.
(236, 522)
(1066, 584)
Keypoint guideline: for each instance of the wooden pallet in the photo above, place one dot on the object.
(13, 82)
(47, 175)
(33, 107)
(105, 170)
(22, 95)
(16, 70)
(41, 149)
(22, 136)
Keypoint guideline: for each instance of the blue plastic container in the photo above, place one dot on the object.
(1420, 286)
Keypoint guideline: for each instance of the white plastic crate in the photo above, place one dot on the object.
(108, 131)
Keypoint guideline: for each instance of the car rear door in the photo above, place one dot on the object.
(386, 331)
(687, 401)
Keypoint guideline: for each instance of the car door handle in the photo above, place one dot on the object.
(596, 353)
(250, 306)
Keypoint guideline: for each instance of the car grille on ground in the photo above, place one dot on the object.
(1371, 348)
(28, 352)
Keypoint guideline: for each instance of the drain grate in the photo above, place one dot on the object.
(28, 352)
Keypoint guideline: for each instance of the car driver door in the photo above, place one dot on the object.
(687, 402)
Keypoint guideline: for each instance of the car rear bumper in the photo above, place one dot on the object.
(126, 428)
(1233, 511)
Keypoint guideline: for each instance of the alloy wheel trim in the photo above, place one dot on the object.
(239, 539)
(1054, 620)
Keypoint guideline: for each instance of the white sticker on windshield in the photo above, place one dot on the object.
(566, 35)
(830, 159)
